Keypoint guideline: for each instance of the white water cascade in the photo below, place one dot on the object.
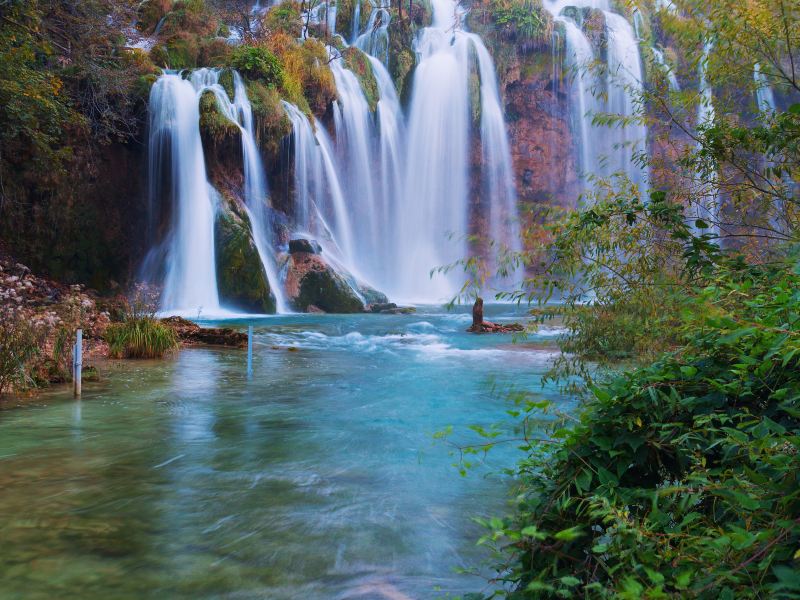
(190, 282)
(765, 97)
(605, 150)
(708, 209)
(193, 234)
(320, 207)
(375, 39)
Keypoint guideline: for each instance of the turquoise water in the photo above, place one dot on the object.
(316, 478)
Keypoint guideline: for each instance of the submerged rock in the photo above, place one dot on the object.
(241, 279)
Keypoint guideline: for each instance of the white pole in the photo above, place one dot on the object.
(78, 363)
(249, 350)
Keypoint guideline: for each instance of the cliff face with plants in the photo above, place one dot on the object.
(528, 52)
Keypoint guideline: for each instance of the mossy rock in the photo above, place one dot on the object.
(241, 278)
(214, 126)
(329, 291)
(270, 120)
(371, 295)
(358, 63)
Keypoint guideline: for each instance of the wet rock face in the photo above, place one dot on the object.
(304, 245)
(542, 147)
(312, 282)
(241, 279)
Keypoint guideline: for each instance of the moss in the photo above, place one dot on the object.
(214, 125)
(285, 19)
(149, 13)
(358, 63)
(329, 291)
(241, 278)
(270, 119)
(307, 79)
(226, 81)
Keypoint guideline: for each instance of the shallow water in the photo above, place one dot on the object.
(316, 478)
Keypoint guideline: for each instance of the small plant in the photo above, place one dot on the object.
(141, 334)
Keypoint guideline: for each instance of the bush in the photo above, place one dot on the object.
(681, 479)
(258, 63)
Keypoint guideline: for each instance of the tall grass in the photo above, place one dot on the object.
(140, 337)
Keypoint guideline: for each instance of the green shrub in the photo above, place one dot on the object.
(258, 63)
(681, 479)
(142, 337)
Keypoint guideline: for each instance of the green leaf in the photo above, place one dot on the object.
(567, 535)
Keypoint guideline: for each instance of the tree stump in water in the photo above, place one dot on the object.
(477, 313)
(481, 326)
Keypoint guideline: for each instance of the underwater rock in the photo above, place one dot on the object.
(241, 279)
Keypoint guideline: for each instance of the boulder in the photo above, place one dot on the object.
(241, 278)
(311, 281)
(304, 245)
(372, 296)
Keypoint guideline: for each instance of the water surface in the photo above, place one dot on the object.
(316, 478)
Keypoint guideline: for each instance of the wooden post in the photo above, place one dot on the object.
(249, 350)
(77, 362)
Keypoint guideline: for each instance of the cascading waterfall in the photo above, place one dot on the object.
(193, 232)
(580, 57)
(765, 97)
(436, 172)
(321, 210)
(190, 283)
(355, 134)
(375, 39)
(708, 209)
(604, 151)
(624, 88)
(498, 171)
(670, 73)
(391, 144)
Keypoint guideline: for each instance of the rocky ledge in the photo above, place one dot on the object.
(191, 334)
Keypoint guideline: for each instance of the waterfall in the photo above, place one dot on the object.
(765, 97)
(436, 172)
(255, 192)
(356, 21)
(605, 151)
(375, 39)
(319, 199)
(708, 209)
(498, 170)
(671, 77)
(624, 89)
(585, 103)
(190, 283)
